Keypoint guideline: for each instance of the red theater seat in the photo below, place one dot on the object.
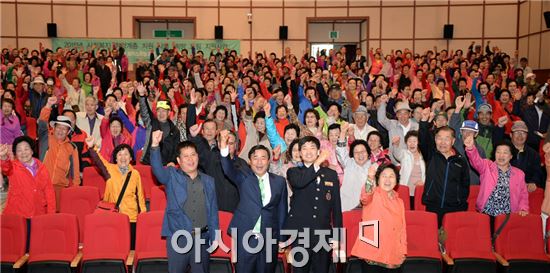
(54, 243)
(13, 242)
(404, 194)
(150, 254)
(79, 201)
(469, 242)
(521, 244)
(92, 177)
(148, 180)
(220, 261)
(422, 243)
(158, 198)
(418, 191)
(106, 242)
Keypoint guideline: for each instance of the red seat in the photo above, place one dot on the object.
(418, 191)
(148, 180)
(31, 128)
(472, 197)
(219, 260)
(92, 177)
(404, 194)
(14, 239)
(469, 241)
(54, 238)
(158, 198)
(139, 153)
(521, 240)
(150, 251)
(422, 243)
(350, 221)
(535, 201)
(106, 242)
(79, 201)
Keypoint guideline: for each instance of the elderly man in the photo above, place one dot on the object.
(527, 159)
(361, 128)
(38, 96)
(89, 120)
(402, 125)
(57, 152)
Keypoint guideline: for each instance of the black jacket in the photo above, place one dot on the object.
(169, 143)
(210, 162)
(314, 205)
(447, 184)
(528, 161)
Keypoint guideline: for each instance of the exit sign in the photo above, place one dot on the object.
(334, 35)
(163, 33)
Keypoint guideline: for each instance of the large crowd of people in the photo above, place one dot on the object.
(282, 142)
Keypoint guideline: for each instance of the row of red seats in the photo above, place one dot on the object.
(54, 242)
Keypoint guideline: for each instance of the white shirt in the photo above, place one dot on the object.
(405, 128)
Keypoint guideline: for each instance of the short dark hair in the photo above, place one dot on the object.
(20, 139)
(290, 147)
(384, 166)
(259, 115)
(294, 127)
(505, 142)
(333, 127)
(337, 106)
(9, 101)
(445, 128)
(186, 144)
(257, 148)
(356, 143)
(412, 133)
(307, 139)
(113, 119)
(315, 113)
(123, 147)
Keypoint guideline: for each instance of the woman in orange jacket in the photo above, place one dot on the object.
(381, 203)
(31, 191)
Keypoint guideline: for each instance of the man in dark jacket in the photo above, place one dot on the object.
(447, 174)
(170, 132)
(526, 159)
(105, 75)
(210, 163)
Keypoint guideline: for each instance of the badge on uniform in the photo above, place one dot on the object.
(328, 183)
(328, 196)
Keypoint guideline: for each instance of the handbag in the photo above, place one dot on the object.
(104, 206)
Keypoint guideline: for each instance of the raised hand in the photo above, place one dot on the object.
(469, 142)
(3, 151)
(224, 138)
(90, 141)
(502, 121)
(276, 153)
(233, 95)
(156, 138)
(51, 101)
(267, 109)
(195, 129)
(426, 114)
(459, 102)
(288, 100)
(108, 111)
(323, 156)
(395, 141)
(468, 100)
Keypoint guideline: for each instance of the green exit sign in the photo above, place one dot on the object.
(334, 35)
(163, 33)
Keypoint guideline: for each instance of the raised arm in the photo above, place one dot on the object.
(160, 172)
(478, 163)
(227, 165)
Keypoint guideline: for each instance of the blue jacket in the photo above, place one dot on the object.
(273, 136)
(175, 182)
(250, 204)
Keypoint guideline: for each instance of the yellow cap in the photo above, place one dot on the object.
(163, 105)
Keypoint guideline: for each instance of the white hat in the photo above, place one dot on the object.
(402, 105)
(62, 120)
(38, 79)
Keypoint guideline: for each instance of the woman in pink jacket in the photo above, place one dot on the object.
(502, 187)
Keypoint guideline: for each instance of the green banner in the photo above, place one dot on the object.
(138, 49)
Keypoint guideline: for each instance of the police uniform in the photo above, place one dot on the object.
(315, 204)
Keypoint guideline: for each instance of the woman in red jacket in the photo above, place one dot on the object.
(31, 190)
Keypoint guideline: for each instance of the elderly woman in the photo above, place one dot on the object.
(381, 203)
(31, 191)
(133, 201)
(502, 187)
(113, 134)
(413, 167)
(355, 162)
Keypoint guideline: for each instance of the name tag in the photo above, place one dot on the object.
(328, 183)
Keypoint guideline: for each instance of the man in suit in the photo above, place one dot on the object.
(262, 205)
(190, 206)
(315, 204)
